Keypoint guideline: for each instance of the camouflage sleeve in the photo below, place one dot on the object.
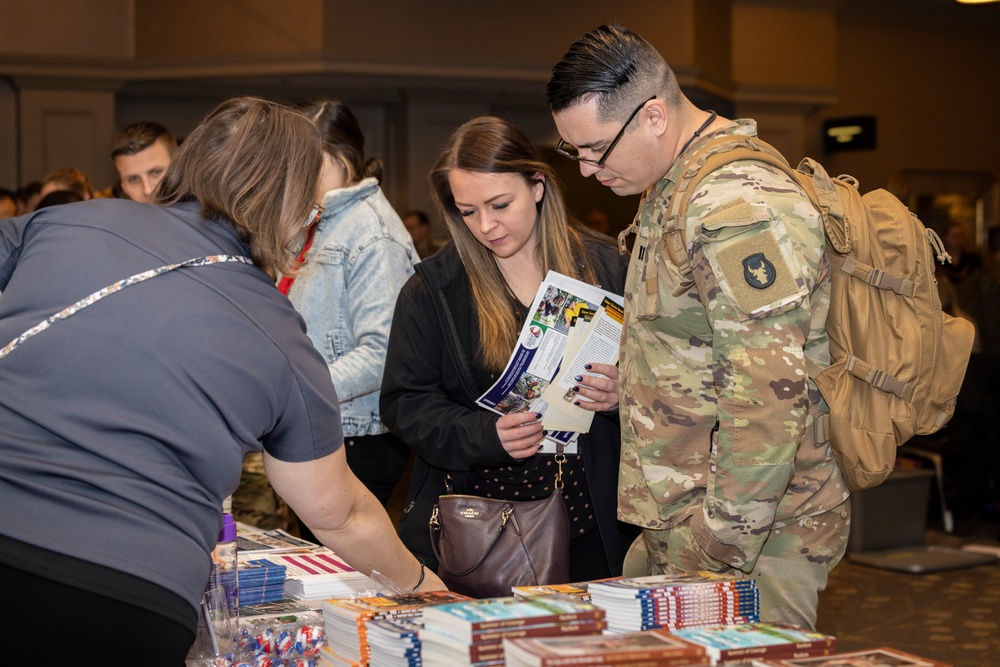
(756, 247)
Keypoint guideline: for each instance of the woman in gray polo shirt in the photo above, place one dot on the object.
(124, 425)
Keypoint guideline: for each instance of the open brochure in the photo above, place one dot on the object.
(251, 541)
(570, 324)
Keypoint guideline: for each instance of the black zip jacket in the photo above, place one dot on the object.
(429, 397)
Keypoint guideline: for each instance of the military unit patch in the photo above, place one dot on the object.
(758, 271)
(753, 271)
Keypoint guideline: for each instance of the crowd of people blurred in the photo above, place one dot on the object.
(141, 153)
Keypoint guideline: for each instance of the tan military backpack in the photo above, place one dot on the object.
(898, 361)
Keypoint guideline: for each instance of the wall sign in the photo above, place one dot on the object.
(849, 134)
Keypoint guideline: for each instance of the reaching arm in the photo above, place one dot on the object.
(345, 517)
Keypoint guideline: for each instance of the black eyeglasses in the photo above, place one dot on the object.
(561, 146)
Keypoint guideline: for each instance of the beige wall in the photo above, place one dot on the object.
(67, 28)
(186, 29)
(933, 88)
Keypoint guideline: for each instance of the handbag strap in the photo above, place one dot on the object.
(113, 288)
(505, 513)
(560, 460)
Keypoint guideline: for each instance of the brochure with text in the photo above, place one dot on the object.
(559, 309)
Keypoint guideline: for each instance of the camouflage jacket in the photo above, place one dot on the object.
(718, 414)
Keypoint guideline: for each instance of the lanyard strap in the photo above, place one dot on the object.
(116, 287)
(285, 284)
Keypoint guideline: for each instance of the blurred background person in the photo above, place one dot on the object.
(358, 257)
(28, 196)
(67, 178)
(58, 197)
(456, 324)
(418, 224)
(597, 220)
(965, 261)
(142, 153)
(8, 203)
(123, 427)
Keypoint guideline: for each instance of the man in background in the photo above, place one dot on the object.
(419, 226)
(141, 153)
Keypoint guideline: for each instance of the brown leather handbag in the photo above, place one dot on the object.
(484, 546)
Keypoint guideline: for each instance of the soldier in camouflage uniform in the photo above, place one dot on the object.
(725, 463)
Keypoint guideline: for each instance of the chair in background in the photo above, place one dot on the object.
(929, 448)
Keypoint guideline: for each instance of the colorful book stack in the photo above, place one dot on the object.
(631, 649)
(259, 581)
(744, 642)
(876, 657)
(579, 589)
(347, 619)
(472, 632)
(675, 601)
(395, 642)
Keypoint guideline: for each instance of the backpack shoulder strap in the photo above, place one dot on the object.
(714, 155)
(827, 194)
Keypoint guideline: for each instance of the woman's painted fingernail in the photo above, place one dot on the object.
(579, 378)
(538, 415)
(587, 366)
(575, 389)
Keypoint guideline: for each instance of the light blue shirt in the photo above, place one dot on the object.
(360, 257)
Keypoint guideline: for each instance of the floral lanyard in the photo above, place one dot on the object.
(116, 287)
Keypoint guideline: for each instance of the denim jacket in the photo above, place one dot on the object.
(360, 257)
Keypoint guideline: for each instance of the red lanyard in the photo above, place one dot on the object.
(285, 283)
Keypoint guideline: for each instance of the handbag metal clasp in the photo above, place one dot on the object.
(434, 523)
(505, 515)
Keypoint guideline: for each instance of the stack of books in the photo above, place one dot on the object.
(876, 657)
(579, 589)
(318, 574)
(472, 632)
(395, 642)
(347, 620)
(675, 601)
(312, 572)
(259, 581)
(632, 649)
(742, 643)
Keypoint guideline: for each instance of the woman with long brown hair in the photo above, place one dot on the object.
(455, 327)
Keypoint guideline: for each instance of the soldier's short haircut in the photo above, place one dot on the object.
(617, 67)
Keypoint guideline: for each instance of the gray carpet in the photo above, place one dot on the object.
(948, 616)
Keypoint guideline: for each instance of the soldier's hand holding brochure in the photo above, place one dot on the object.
(569, 325)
